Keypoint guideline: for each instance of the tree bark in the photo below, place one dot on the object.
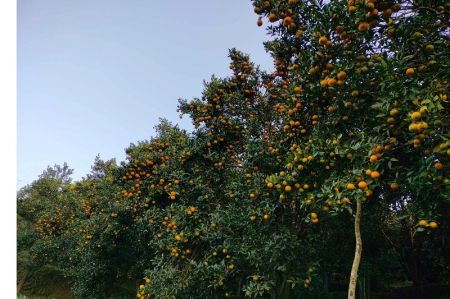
(358, 250)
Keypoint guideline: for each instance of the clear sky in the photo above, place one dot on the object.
(94, 76)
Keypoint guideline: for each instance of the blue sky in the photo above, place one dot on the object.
(94, 76)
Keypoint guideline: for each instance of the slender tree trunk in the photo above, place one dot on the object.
(358, 250)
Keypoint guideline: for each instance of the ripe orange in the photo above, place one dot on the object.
(273, 17)
(259, 22)
(375, 175)
(416, 115)
(413, 127)
(410, 71)
(438, 165)
(350, 186)
(266, 217)
(341, 75)
(423, 223)
(393, 112)
(394, 186)
(269, 185)
(421, 126)
(288, 188)
(323, 40)
(433, 224)
(288, 21)
(363, 26)
(331, 82)
(362, 185)
(373, 158)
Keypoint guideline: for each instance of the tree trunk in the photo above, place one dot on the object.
(358, 250)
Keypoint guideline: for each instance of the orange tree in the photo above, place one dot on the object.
(215, 228)
(362, 87)
(34, 202)
(84, 229)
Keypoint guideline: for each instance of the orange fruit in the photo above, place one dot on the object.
(273, 17)
(259, 22)
(363, 26)
(393, 112)
(362, 185)
(423, 223)
(438, 165)
(331, 82)
(323, 40)
(394, 186)
(416, 115)
(341, 75)
(288, 21)
(350, 186)
(433, 224)
(375, 175)
(410, 71)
